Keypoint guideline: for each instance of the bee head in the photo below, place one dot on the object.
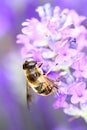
(29, 64)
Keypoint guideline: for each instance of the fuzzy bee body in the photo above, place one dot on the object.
(43, 88)
(37, 80)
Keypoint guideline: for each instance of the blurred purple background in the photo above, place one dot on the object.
(14, 114)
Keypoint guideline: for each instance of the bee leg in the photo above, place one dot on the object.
(57, 79)
(44, 73)
(40, 64)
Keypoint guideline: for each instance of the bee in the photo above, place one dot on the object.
(37, 80)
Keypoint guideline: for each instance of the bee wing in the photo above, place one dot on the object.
(52, 83)
(28, 94)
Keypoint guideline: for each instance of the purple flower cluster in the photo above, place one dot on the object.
(59, 40)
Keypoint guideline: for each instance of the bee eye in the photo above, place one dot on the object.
(29, 64)
(25, 66)
(32, 64)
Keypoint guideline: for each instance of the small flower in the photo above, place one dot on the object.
(77, 112)
(78, 92)
(60, 103)
(80, 65)
(72, 110)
